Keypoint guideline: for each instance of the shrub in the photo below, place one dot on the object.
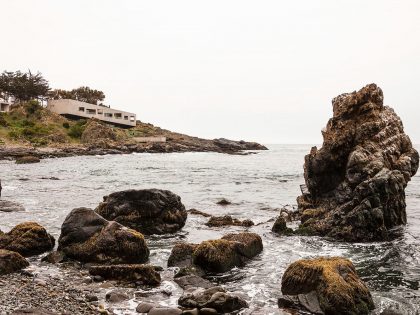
(77, 129)
(66, 125)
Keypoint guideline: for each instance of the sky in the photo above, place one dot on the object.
(262, 71)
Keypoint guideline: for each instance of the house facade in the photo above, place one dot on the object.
(5, 104)
(76, 109)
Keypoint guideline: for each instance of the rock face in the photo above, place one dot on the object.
(142, 274)
(327, 285)
(356, 181)
(27, 239)
(88, 237)
(217, 255)
(227, 220)
(11, 262)
(97, 133)
(149, 211)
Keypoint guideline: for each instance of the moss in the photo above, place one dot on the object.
(145, 274)
(216, 255)
(305, 231)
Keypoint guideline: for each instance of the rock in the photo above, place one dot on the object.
(356, 181)
(10, 206)
(98, 134)
(27, 159)
(116, 296)
(198, 212)
(149, 211)
(54, 257)
(208, 311)
(215, 298)
(11, 262)
(217, 255)
(227, 220)
(326, 285)
(88, 237)
(144, 307)
(191, 312)
(144, 274)
(234, 146)
(192, 281)
(165, 311)
(280, 227)
(224, 202)
(32, 311)
(27, 239)
(91, 297)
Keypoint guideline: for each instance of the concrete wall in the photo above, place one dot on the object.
(4, 107)
(150, 139)
(85, 110)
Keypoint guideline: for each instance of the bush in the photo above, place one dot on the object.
(66, 125)
(77, 129)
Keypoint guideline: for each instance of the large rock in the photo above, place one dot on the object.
(327, 285)
(27, 239)
(11, 262)
(217, 255)
(149, 211)
(227, 220)
(98, 134)
(88, 237)
(10, 206)
(356, 181)
(29, 159)
(142, 274)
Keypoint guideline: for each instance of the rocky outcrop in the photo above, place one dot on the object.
(137, 273)
(280, 227)
(214, 298)
(149, 211)
(227, 220)
(356, 181)
(326, 286)
(11, 262)
(217, 255)
(27, 239)
(10, 206)
(98, 134)
(88, 237)
(29, 159)
(237, 145)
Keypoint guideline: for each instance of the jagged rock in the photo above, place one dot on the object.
(216, 298)
(326, 286)
(88, 237)
(192, 281)
(217, 255)
(224, 202)
(198, 212)
(116, 296)
(280, 227)
(27, 239)
(356, 181)
(138, 273)
(231, 145)
(11, 262)
(10, 206)
(227, 220)
(149, 211)
(27, 159)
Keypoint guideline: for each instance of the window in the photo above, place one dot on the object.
(132, 118)
(118, 115)
(91, 111)
(125, 117)
(109, 115)
(100, 112)
(81, 109)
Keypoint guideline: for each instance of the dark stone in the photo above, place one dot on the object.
(33, 311)
(27, 239)
(27, 160)
(54, 258)
(224, 202)
(326, 285)
(280, 227)
(11, 262)
(165, 311)
(227, 220)
(91, 298)
(88, 237)
(149, 211)
(181, 255)
(144, 307)
(116, 296)
(193, 281)
(143, 274)
(10, 206)
(356, 182)
(198, 212)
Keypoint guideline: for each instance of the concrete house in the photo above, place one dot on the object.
(5, 104)
(76, 109)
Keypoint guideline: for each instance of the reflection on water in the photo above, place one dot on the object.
(257, 185)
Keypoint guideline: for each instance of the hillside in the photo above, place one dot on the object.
(30, 129)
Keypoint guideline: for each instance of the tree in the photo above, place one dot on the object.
(23, 86)
(83, 94)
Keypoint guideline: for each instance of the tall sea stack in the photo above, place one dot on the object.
(356, 181)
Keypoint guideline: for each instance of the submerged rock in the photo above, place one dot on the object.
(144, 274)
(280, 227)
(11, 262)
(149, 211)
(217, 255)
(88, 237)
(27, 239)
(198, 212)
(10, 206)
(326, 286)
(27, 159)
(356, 181)
(227, 220)
(224, 202)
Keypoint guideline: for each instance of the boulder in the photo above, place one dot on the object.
(198, 212)
(88, 237)
(138, 273)
(280, 227)
(149, 211)
(116, 296)
(161, 310)
(227, 220)
(27, 239)
(144, 307)
(181, 255)
(215, 298)
(356, 182)
(326, 285)
(11, 262)
(27, 159)
(10, 206)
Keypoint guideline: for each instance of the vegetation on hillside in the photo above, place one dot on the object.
(23, 86)
(83, 94)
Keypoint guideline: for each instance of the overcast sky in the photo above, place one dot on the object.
(253, 70)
